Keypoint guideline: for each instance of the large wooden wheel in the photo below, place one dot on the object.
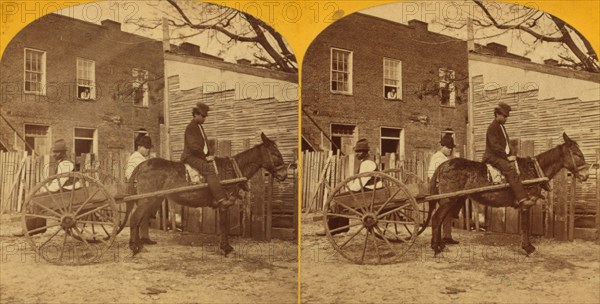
(57, 224)
(401, 221)
(362, 214)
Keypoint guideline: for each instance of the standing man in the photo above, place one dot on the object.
(197, 154)
(143, 144)
(442, 155)
(498, 154)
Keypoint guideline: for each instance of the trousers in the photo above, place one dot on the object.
(508, 170)
(207, 170)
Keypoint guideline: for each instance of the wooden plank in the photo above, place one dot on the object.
(560, 194)
(269, 208)
(598, 193)
(498, 220)
(284, 233)
(20, 195)
(571, 207)
(549, 216)
(209, 220)
(513, 224)
(258, 207)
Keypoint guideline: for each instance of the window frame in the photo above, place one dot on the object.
(400, 139)
(25, 136)
(94, 140)
(399, 80)
(354, 135)
(92, 85)
(452, 87)
(349, 71)
(42, 83)
(135, 85)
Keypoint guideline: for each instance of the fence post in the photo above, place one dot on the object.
(598, 195)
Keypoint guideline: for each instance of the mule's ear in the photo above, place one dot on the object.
(566, 138)
(264, 138)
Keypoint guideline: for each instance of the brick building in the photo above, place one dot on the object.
(400, 86)
(93, 85)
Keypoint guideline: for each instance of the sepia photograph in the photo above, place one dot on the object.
(450, 155)
(148, 155)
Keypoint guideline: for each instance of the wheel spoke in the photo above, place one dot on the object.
(395, 222)
(350, 209)
(352, 195)
(399, 238)
(72, 196)
(50, 238)
(42, 216)
(387, 242)
(82, 237)
(46, 208)
(91, 211)
(95, 223)
(87, 200)
(377, 250)
(373, 196)
(345, 216)
(52, 198)
(388, 200)
(345, 227)
(392, 211)
(351, 237)
(102, 216)
(362, 257)
(42, 228)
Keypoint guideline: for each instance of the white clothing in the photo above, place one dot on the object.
(365, 166)
(436, 159)
(205, 149)
(507, 148)
(55, 185)
(134, 160)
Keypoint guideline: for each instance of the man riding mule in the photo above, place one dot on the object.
(158, 174)
(460, 174)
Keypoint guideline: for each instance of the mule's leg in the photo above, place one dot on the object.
(525, 230)
(224, 226)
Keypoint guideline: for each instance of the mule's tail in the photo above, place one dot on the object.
(433, 189)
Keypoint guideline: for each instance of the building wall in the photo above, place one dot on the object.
(419, 113)
(247, 82)
(112, 113)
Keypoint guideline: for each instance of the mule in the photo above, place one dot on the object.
(460, 174)
(160, 174)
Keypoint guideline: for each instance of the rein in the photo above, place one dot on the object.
(576, 169)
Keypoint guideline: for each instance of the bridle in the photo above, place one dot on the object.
(576, 168)
(272, 164)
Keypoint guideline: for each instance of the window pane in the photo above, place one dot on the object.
(389, 132)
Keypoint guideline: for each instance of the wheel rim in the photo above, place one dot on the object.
(64, 237)
(370, 213)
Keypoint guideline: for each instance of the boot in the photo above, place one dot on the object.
(224, 203)
(526, 203)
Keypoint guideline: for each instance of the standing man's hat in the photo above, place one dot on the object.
(503, 109)
(447, 141)
(202, 108)
(362, 145)
(145, 141)
(59, 145)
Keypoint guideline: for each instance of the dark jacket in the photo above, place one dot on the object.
(193, 142)
(495, 142)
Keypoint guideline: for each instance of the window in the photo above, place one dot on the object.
(391, 141)
(447, 88)
(38, 138)
(140, 87)
(35, 72)
(343, 137)
(392, 79)
(85, 141)
(341, 71)
(86, 79)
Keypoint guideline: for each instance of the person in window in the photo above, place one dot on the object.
(85, 94)
(143, 145)
(442, 155)
(498, 154)
(366, 165)
(197, 154)
(391, 94)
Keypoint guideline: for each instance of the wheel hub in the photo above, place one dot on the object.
(369, 220)
(68, 221)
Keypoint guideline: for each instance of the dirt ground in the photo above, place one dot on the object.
(181, 268)
(483, 268)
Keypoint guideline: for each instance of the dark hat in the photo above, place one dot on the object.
(202, 108)
(447, 141)
(361, 145)
(145, 141)
(59, 145)
(503, 109)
